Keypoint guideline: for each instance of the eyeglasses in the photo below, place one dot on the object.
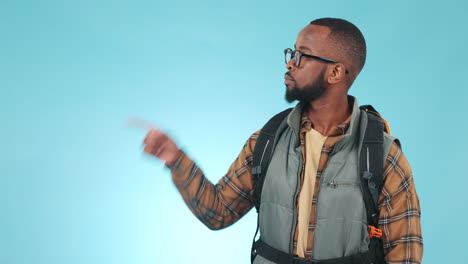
(296, 55)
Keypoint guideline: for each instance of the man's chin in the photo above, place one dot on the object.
(290, 96)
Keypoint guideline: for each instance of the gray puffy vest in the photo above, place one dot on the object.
(341, 224)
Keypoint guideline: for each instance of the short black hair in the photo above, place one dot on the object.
(347, 38)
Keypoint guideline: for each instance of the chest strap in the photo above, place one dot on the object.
(279, 257)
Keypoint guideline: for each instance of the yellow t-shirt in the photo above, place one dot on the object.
(313, 148)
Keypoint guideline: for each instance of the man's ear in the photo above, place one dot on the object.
(337, 73)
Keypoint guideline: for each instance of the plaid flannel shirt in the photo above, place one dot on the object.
(221, 205)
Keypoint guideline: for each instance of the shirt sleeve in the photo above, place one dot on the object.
(222, 204)
(400, 211)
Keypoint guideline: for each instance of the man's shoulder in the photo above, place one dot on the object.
(391, 140)
(391, 146)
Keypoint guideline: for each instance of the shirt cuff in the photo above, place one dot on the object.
(181, 168)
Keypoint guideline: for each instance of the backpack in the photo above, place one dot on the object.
(370, 167)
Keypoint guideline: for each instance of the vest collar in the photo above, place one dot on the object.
(353, 130)
(294, 122)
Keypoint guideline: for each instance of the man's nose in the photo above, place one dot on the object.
(290, 65)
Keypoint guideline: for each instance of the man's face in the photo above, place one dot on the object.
(307, 81)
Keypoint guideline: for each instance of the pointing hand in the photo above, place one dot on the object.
(161, 146)
(156, 142)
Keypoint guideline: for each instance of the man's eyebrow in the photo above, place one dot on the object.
(302, 48)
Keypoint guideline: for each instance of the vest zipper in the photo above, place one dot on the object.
(293, 228)
(335, 184)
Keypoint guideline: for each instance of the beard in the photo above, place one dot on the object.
(308, 93)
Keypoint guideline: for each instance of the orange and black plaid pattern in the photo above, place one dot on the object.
(221, 205)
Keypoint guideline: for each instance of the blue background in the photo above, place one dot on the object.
(74, 184)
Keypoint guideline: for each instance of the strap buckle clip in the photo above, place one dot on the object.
(374, 232)
(298, 260)
(257, 170)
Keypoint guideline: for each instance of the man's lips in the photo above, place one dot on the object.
(288, 79)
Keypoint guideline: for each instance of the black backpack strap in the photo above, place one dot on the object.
(261, 159)
(263, 151)
(371, 166)
(371, 110)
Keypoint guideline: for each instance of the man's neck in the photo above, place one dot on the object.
(328, 112)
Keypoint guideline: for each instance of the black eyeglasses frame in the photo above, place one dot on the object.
(299, 54)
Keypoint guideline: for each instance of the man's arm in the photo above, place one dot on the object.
(399, 211)
(217, 206)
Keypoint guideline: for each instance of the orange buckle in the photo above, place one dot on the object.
(374, 232)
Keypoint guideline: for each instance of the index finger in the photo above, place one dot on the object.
(136, 122)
